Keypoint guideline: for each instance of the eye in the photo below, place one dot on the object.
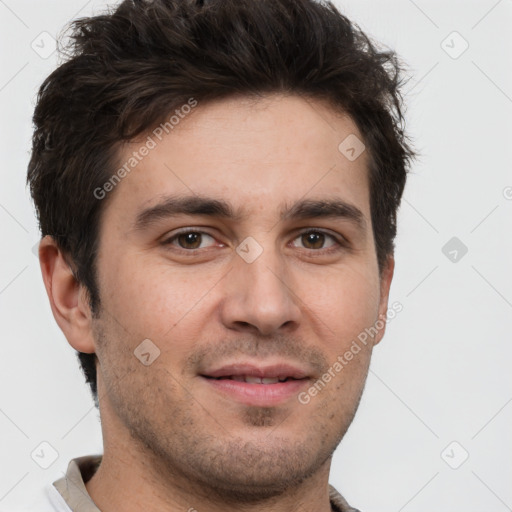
(190, 240)
(315, 240)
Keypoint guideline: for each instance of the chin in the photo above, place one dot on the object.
(244, 471)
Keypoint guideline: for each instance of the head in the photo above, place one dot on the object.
(229, 117)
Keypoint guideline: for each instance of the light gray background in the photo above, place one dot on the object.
(442, 372)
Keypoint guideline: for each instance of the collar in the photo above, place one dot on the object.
(72, 485)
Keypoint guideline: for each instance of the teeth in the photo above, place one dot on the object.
(270, 380)
(253, 380)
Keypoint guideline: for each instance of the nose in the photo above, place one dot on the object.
(259, 297)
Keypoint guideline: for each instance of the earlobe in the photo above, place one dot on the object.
(385, 285)
(67, 296)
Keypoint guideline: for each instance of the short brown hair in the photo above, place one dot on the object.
(127, 70)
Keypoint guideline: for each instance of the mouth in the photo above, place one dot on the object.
(251, 379)
(255, 385)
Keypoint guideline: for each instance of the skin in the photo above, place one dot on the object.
(171, 441)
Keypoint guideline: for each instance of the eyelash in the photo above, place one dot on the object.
(340, 243)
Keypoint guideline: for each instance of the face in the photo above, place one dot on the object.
(236, 269)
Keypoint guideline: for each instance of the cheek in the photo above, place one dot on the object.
(344, 301)
(152, 300)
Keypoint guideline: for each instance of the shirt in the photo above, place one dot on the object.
(69, 494)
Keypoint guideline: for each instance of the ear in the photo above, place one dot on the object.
(385, 284)
(68, 298)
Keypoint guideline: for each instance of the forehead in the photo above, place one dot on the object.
(260, 155)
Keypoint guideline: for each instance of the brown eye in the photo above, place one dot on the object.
(315, 240)
(190, 240)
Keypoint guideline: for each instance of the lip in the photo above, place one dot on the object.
(269, 371)
(262, 395)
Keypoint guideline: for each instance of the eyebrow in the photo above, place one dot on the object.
(172, 206)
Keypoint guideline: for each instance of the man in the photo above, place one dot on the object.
(217, 185)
